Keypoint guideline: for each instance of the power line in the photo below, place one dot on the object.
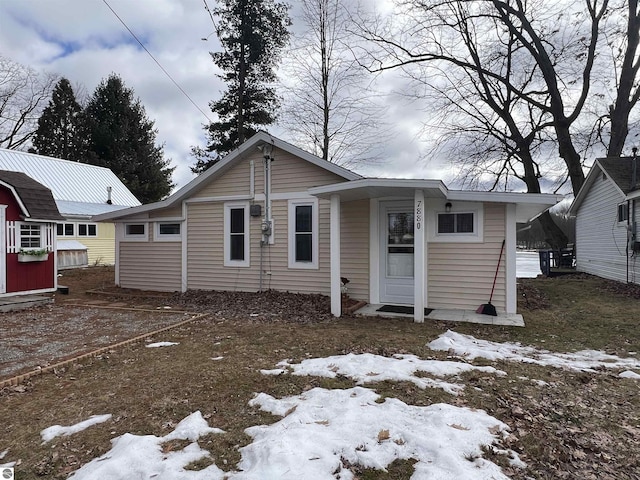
(157, 62)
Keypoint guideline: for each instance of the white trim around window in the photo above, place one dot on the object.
(239, 245)
(457, 208)
(136, 232)
(168, 231)
(309, 230)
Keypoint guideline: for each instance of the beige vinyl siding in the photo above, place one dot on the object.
(290, 174)
(151, 265)
(235, 181)
(354, 246)
(173, 212)
(205, 262)
(461, 274)
(600, 240)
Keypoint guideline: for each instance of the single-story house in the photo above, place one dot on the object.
(607, 243)
(272, 216)
(28, 216)
(80, 191)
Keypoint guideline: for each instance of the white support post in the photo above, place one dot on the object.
(334, 244)
(419, 266)
(510, 280)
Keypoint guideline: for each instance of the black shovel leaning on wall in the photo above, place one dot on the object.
(488, 308)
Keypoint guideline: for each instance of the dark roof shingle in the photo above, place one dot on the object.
(36, 198)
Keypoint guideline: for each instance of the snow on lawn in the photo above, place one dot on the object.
(369, 368)
(585, 360)
(141, 456)
(50, 433)
(162, 344)
(321, 433)
(325, 430)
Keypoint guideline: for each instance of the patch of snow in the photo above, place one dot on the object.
(141, 456)
(216, 358)
(3, 454)
(54, 431)
(629, 374)
(368, 368)
(585, 360)
(162, 344)
(350, 426)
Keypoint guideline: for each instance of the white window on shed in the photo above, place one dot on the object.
(30, 235)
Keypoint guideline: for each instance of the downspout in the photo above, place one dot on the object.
(266, 221)
(631, 225)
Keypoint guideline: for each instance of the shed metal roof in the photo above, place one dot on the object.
(71, 181)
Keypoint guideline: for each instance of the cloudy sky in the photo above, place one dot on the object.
(85, 41)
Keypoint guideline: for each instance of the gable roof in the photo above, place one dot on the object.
(78, 188)
(225, 164)
(618, 169)
(34, 199)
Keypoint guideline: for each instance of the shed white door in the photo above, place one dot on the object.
(396, 252)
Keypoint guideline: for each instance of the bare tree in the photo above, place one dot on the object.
(23, 95)
(514, 79)
(329, 105)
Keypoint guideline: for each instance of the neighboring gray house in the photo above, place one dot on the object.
(607, 244)
(80, 191)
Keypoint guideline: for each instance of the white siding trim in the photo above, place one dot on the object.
(336, 294)
(419, 257)
(223, 198)
(3, 249)
(374, 251)
(119, 235)
(184, 275)
(292, 204)
(227, 235)
(510, 265)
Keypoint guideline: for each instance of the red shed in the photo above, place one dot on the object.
(28, 217)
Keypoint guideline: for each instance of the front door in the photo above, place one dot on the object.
(396, 255)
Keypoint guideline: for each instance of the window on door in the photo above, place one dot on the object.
(400, 244)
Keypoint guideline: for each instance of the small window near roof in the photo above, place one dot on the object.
(135, 230)
(455, 223)
(623, 212)
(169, 229)
(65, 229)
(87, 230)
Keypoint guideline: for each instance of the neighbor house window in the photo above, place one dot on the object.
(168, 231)
(30, 236)
(623, 212)
(65, 229)
(452, 223)
(87, 230)
(303, 233)
(236, 234)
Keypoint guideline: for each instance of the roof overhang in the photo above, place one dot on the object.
(528, 205)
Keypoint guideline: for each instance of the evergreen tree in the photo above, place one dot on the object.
(58, 127)
(252, 34)
(121, 137)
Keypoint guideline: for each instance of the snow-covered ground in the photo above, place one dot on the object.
(527, 264)
(321, 432)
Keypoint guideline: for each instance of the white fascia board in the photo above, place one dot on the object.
(633, 195)
(378, 183)
(596, 168)
(549, 199)
(17, 198)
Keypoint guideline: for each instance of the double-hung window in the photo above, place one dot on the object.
(236, 234)
(303, 234)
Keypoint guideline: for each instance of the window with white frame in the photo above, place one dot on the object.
(135, 232)
(168, 231)
(303, 233)
(87, 230)
(30, 235)
(456, 223)
(236, 234)
(65, 229)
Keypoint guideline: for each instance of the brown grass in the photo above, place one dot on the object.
(579, 426)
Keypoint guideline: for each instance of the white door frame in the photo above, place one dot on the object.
(404, 286)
